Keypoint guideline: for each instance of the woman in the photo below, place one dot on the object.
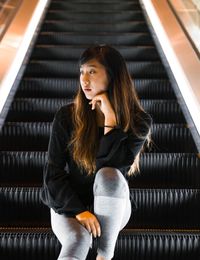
(95, 141)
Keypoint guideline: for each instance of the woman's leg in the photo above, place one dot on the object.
(111, 206)
(74, 238)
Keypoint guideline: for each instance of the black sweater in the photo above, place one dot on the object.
(66, 188)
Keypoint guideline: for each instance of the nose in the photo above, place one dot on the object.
(85, 79)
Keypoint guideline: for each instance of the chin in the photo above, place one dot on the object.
(90, 97)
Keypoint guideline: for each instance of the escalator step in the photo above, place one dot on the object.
(94, 7)
(181, 170)
(103, 1)
(38, 110)
(130, 39)
(35, 109)
(63, 26)
(47, 87)
(109, 17)
(132, 244)
(21, 136)
(51, 52)
(156, 208)
(164, 111)
(96, 1)
(34, 136)
(22, 168)
(70, 69)
(60, 87)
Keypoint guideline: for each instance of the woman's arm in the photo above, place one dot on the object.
(56, 191)
(102, 101)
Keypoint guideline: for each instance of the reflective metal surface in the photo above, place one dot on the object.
(15, 43)
(179, 53)
(8, 9)
(188, 15)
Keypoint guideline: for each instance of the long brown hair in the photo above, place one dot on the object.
(125, 102)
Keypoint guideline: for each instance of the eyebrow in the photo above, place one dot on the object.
(90, 65)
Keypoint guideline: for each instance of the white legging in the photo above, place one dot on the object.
(112, 208)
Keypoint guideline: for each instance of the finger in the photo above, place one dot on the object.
(93, 228)
(98, 228)
(93, 104)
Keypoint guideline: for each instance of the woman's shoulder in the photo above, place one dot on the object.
(64, 115)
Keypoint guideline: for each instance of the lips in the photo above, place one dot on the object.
(87, 89)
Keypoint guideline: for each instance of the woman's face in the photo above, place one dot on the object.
(93, 78)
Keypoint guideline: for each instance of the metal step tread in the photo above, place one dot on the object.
(67, 52)
(62, 87)
(44, 109)
(25, 168)
(140, 69)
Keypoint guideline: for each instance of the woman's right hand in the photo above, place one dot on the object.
(90, 222)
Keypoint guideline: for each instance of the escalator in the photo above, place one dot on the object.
(167, 191)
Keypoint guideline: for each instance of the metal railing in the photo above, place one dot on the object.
(180, 57)
(188, 15)
(16, 45)
(8, 9)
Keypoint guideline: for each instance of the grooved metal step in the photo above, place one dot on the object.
(66, 87)
(63, 26)
(109, 17)
(131, 39)
(33, 136)
(70, 69)
(94, 7)
(181, 169)
(132, 244)
(67, 52)
(22, 168)
(156, 208)
(44, 109)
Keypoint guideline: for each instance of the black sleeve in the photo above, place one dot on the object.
(118, 149)
(56, 191)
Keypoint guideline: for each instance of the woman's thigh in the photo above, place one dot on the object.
(74, 238)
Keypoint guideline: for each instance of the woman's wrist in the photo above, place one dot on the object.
(110, 121)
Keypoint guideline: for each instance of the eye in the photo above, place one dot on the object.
(92, 71)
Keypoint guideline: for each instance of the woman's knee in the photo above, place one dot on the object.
(110, 181)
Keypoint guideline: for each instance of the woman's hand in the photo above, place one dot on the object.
(90, 222)
(105, 106)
